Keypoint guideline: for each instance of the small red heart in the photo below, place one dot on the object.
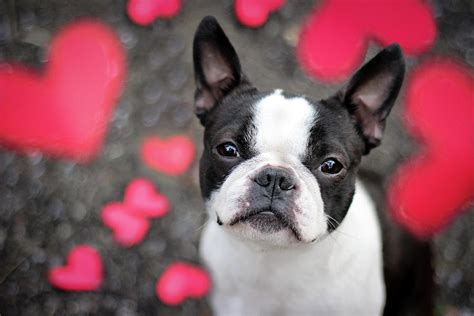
(182, 280)
(83, 271)
(334, 40)
(128, 229)
(144, 12)
(64, 110)
(142, 200)
(254, 13)
(430, 189)
(172, 156)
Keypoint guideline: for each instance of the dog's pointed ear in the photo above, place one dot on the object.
(372, 91)
(216, 66)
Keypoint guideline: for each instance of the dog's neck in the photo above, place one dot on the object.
(253, 279)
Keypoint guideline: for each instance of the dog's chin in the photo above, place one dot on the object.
(248, 232)
(266, 222)
(265, 227)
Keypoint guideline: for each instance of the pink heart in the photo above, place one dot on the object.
(64, 110)
(334, 40)
(142, 200)
(172, 156)
(83, 271)
(144, 12)
(432, 187)
(254, 13)
(128, 229)
(182, 280)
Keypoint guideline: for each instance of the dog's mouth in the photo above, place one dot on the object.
(266, 221)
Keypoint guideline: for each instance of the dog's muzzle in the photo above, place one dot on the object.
(270, 201)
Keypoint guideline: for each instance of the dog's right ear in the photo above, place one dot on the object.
(216, 66)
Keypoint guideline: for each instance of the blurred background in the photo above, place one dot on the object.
(48, 205)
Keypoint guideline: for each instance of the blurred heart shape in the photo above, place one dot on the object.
(254, 13)
(144, 12)
(434, 185)
(64, 110)
(180, 281)
(83, 271)
(334, 39)
(142, 200)
(128, 229)
(172, 156)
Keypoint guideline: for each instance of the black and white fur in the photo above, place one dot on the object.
(287, 235)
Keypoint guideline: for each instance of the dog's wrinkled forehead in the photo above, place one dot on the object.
(282, 125)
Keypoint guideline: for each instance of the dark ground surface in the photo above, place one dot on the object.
(48, 206)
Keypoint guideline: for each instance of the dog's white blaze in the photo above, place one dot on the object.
(283, 125)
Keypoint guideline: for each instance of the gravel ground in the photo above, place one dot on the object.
(47, 206)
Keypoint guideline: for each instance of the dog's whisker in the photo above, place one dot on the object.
(203, 225)
(333, 222)
(333, 219)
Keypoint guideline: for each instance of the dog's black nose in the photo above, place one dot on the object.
(272, 178)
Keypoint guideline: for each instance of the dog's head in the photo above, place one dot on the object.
(280, 168)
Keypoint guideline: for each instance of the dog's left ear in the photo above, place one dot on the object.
(216, 66)
(372, 91)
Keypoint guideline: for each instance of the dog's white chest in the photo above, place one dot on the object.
(340, 275)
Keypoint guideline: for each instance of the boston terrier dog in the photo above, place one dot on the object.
(291, 229)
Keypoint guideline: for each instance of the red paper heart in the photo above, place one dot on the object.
(64, 111)
(144, 12)
(142, 200)
(180, 281)
(431, 188)
(128, 229)
(83, 271)
(334, 40)
(254, 13)
(172, 156)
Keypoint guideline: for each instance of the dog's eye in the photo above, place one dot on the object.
(228, 150)
(331, 166)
